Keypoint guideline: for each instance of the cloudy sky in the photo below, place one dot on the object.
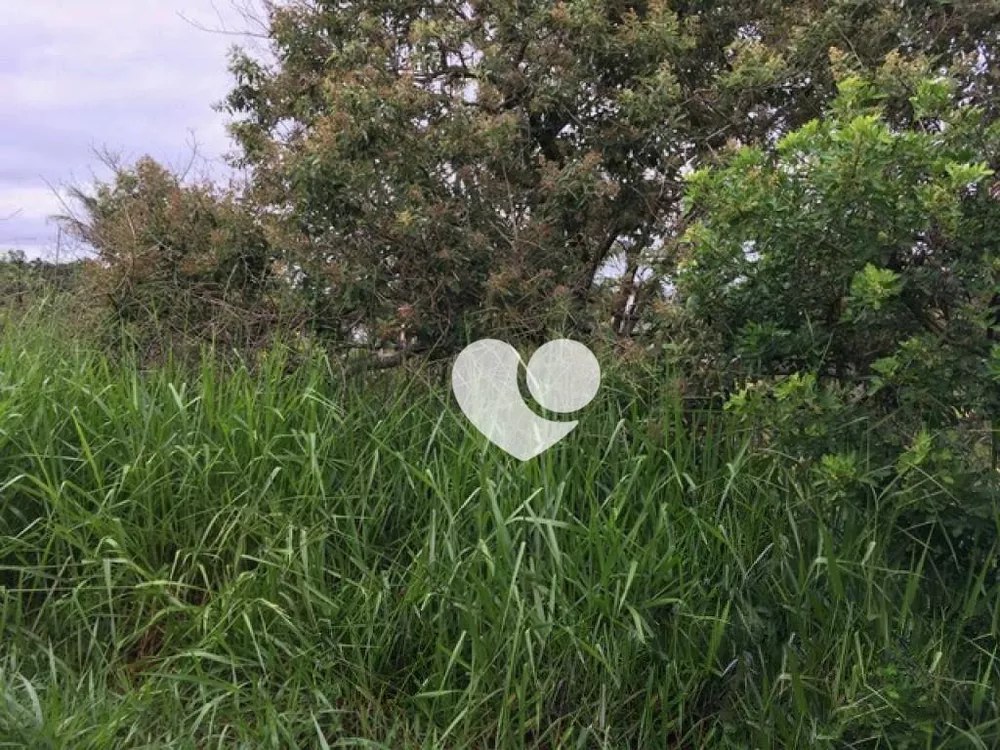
(133, 76)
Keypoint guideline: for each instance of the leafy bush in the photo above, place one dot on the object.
(179, 265)
(849, 279)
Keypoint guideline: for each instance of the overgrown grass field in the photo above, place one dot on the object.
(280, 557)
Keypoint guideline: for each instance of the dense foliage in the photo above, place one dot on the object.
(461, 168)
(778, 227)
(177, 263)
(274, 560)
(847, 283)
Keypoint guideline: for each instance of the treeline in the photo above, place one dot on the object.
(23, 281)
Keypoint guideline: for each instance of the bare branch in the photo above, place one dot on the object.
(222, 30)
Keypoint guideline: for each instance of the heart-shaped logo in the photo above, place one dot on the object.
(562, 375)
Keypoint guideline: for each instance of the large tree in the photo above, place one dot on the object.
(459, 168)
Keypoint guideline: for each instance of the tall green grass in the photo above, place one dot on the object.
(279, 556)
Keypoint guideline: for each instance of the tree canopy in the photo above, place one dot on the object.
(455, 168)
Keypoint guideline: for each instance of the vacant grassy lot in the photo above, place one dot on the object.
(285, 559)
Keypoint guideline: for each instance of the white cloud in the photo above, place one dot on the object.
(28, 202)
(137, 76)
